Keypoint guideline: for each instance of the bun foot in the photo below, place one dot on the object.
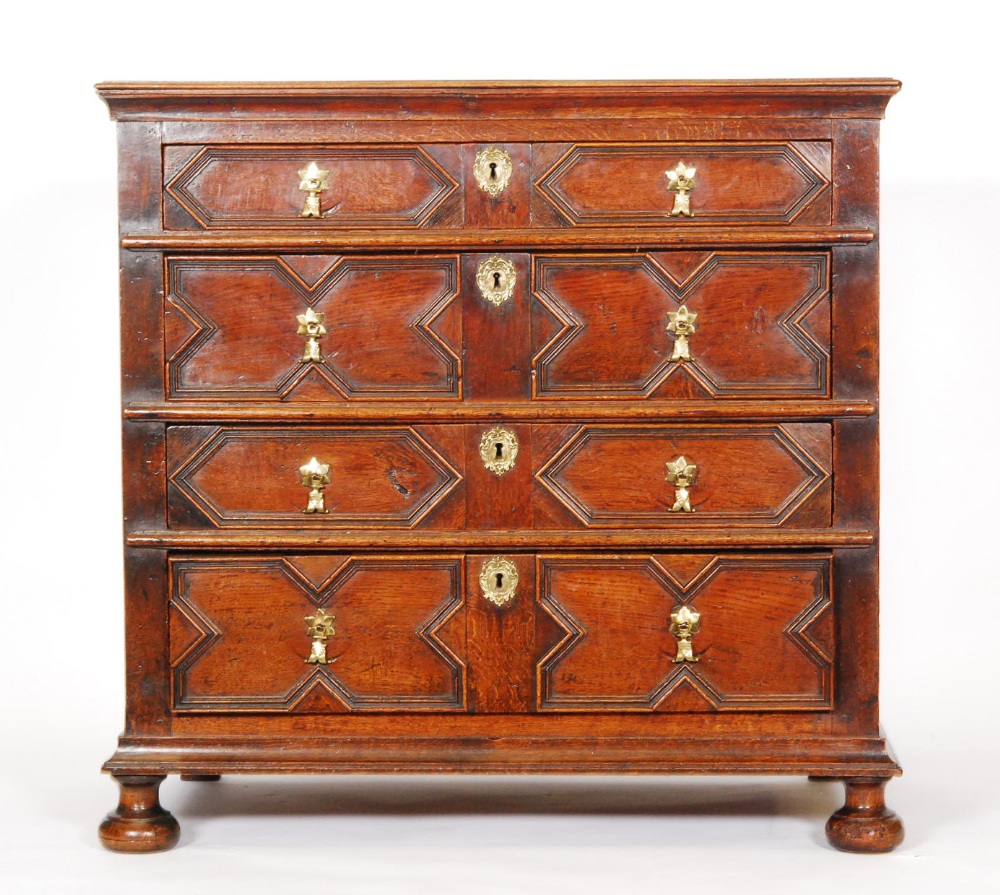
(864, 825)
(201, 778)
(139, 823)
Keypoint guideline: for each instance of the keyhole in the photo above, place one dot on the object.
(499, 580)
(493, 170)
(496, 280)
(499, 450)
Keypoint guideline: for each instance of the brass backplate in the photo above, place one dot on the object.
(498, 450)
(492, 170)
(496, 277)
(498, 580)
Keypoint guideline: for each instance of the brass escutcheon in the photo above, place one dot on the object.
(492, 170)
(498, 450)
(498, 580)
(496, 277)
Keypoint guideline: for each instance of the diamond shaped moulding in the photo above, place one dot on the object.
(756, 648)
(747, 475)
(248, 615)
(763, 324)
(230, 327)
(384, 477)
(235, 187)
(626, 184)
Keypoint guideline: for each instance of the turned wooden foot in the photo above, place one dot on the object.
(139, 823)
(201, 778)
(864, 824)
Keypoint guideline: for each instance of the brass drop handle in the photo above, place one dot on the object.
(492, 170)
(682, 326)
(496, 278)
(313, 180)
(680, 180)
(311, 327)
(498, 580)
(320, 628)
(685, 622)
(682, 475)
(315, 477)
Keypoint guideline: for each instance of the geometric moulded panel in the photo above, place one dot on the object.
(239, 641)
(608, 475)
(737, 182)
(763, 324)
(231, 328)
(378, 476)
(367, 186)
(765, 642)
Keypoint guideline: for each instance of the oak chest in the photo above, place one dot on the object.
(521, 428)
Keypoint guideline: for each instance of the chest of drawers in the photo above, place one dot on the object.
(516, 428)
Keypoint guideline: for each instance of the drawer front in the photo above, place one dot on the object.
(681, 324)
(665, 632)
(267, 186)
(629, 184)
(533, 185)
(657, 325)
(484, 477)
(316, 327)
(317, 634)
(759, 633)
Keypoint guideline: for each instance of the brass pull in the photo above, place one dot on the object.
(496, 278)
(311, 326)
(682, 326)
(498, 580)
(492, 170)
(498, 450)
(685, 622)
(313, 181)
(320, 628)
(680, 180)
(315, 477)
(682, 475)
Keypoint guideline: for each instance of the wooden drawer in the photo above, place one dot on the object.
(588, 327)
(442, 476)
(590, 633)
(550, 185)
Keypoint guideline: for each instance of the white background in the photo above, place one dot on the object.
(61, 630)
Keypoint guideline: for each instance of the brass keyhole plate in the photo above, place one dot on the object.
(498, 580)
(492, 170)
(496, 278)
(498, 450)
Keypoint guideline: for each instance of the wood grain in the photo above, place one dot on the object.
(778, 408)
